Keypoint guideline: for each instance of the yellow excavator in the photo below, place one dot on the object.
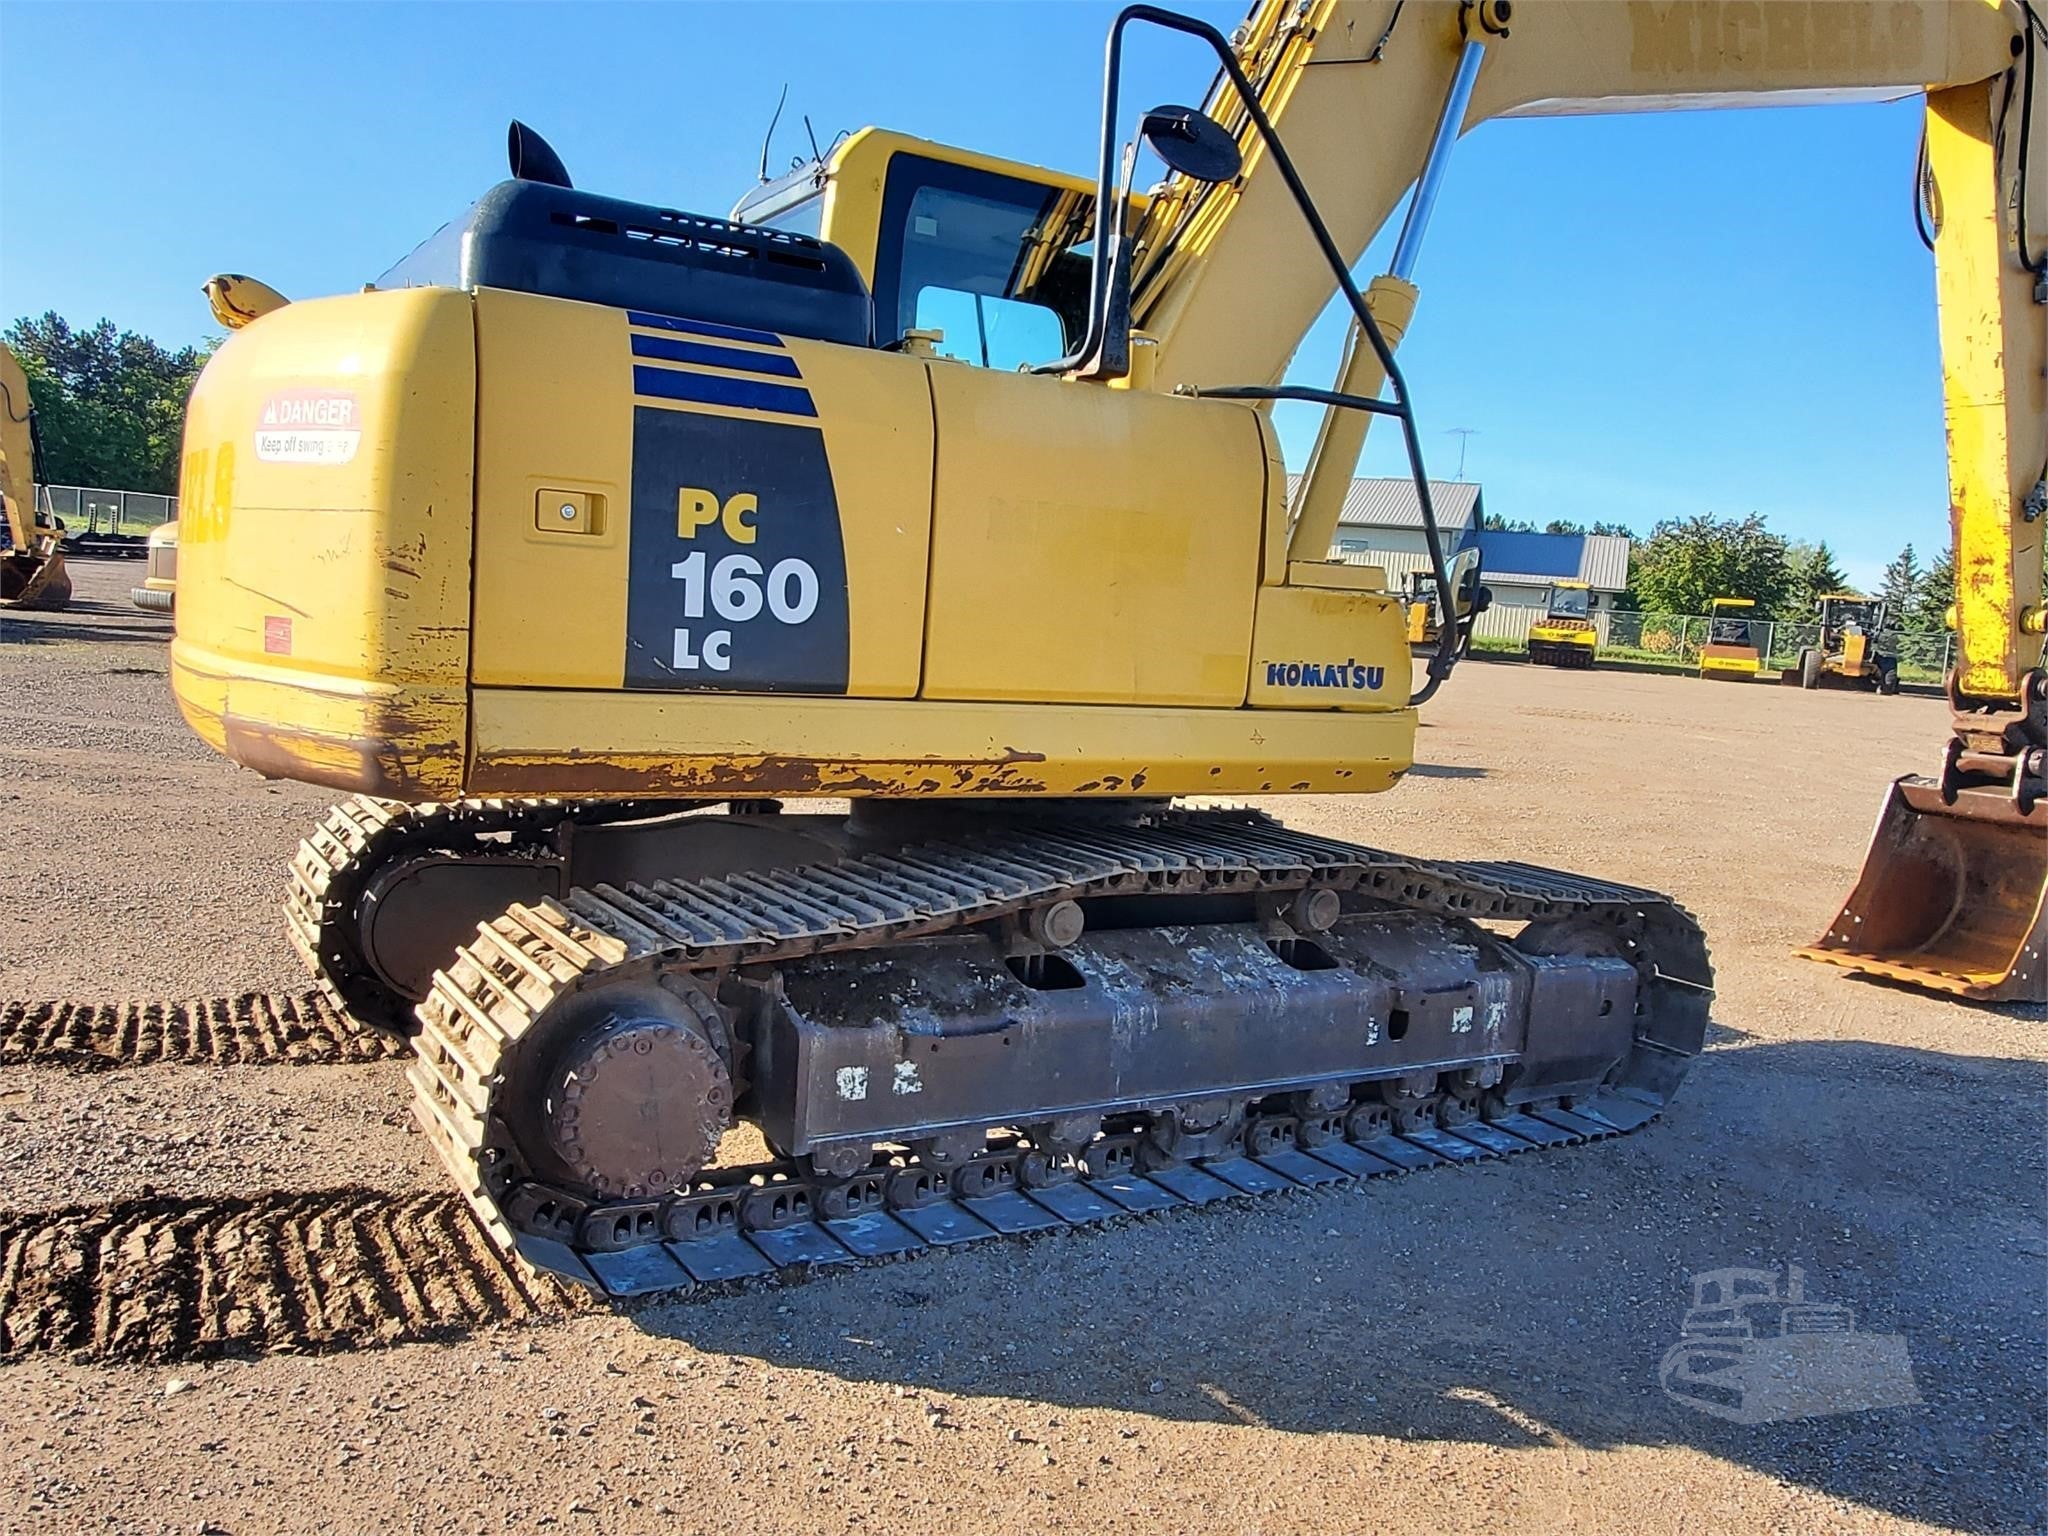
(32, 574)
(595, 533)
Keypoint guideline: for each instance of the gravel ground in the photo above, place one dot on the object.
(1462, 1350)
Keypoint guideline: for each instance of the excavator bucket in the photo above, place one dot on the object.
(1951, 897)
(34, 581)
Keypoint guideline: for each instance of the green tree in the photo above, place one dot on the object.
(110, 405)
(1815, 573)
(1900, 585)
(1929, 605)
(1687, 562)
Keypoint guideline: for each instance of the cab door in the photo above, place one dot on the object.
(1090, 545)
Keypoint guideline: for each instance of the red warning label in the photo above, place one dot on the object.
(277, 635)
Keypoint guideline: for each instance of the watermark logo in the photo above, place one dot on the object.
(1753, 1349)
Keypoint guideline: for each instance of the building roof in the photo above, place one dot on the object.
(1600, 560)
(1543, 556)
(1605, 564)
(1375, 502)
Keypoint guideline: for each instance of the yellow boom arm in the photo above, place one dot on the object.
(1229, 280)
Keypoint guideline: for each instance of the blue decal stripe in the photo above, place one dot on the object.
(668, 349)
(715, 389)
(702, 328)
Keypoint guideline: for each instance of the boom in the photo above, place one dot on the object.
(1229, 281)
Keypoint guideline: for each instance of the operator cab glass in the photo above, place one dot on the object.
(1728, 631)
(992, 254)
(998, 263)
(1570, 602)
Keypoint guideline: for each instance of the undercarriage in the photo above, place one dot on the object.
(943, 1029)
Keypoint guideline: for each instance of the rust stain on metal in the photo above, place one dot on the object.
(407, 558)
(371, 764)
(762, 775)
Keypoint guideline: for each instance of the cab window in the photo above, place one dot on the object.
(804, 218)
(993, 333)
(997, 263)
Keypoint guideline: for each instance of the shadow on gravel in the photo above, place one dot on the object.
(2030, 1012)
(1523, 1304)
(83, 620)
(1531, 1303)
(1445, 771)
(1726, 1034)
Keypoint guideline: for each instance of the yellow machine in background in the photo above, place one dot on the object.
(159, 590)
(1426, 612)
(32, 573)
(1729, 651)
(1565, 636)
(595, 531)
(1850, 652)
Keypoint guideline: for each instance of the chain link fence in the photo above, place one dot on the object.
(97, 516)
(1674, 639)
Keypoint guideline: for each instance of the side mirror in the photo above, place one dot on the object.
(1481, 601)
(1192, 143)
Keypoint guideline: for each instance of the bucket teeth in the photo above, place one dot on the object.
(1952, 898)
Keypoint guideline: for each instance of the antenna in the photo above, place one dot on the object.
(769, 137)
(812, 133)
(1464, 435)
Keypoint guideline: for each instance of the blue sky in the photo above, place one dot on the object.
(1638, 316)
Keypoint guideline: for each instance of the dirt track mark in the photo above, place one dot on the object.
(170, 1279)
(255, 1029)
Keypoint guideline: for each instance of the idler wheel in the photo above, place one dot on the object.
(637, 1097)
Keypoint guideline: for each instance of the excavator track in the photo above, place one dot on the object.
(331, 877)
(733, 1224)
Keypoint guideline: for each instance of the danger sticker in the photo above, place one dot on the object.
(277, 635)
(309, 426)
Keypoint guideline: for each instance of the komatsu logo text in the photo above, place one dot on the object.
(1348, 673)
